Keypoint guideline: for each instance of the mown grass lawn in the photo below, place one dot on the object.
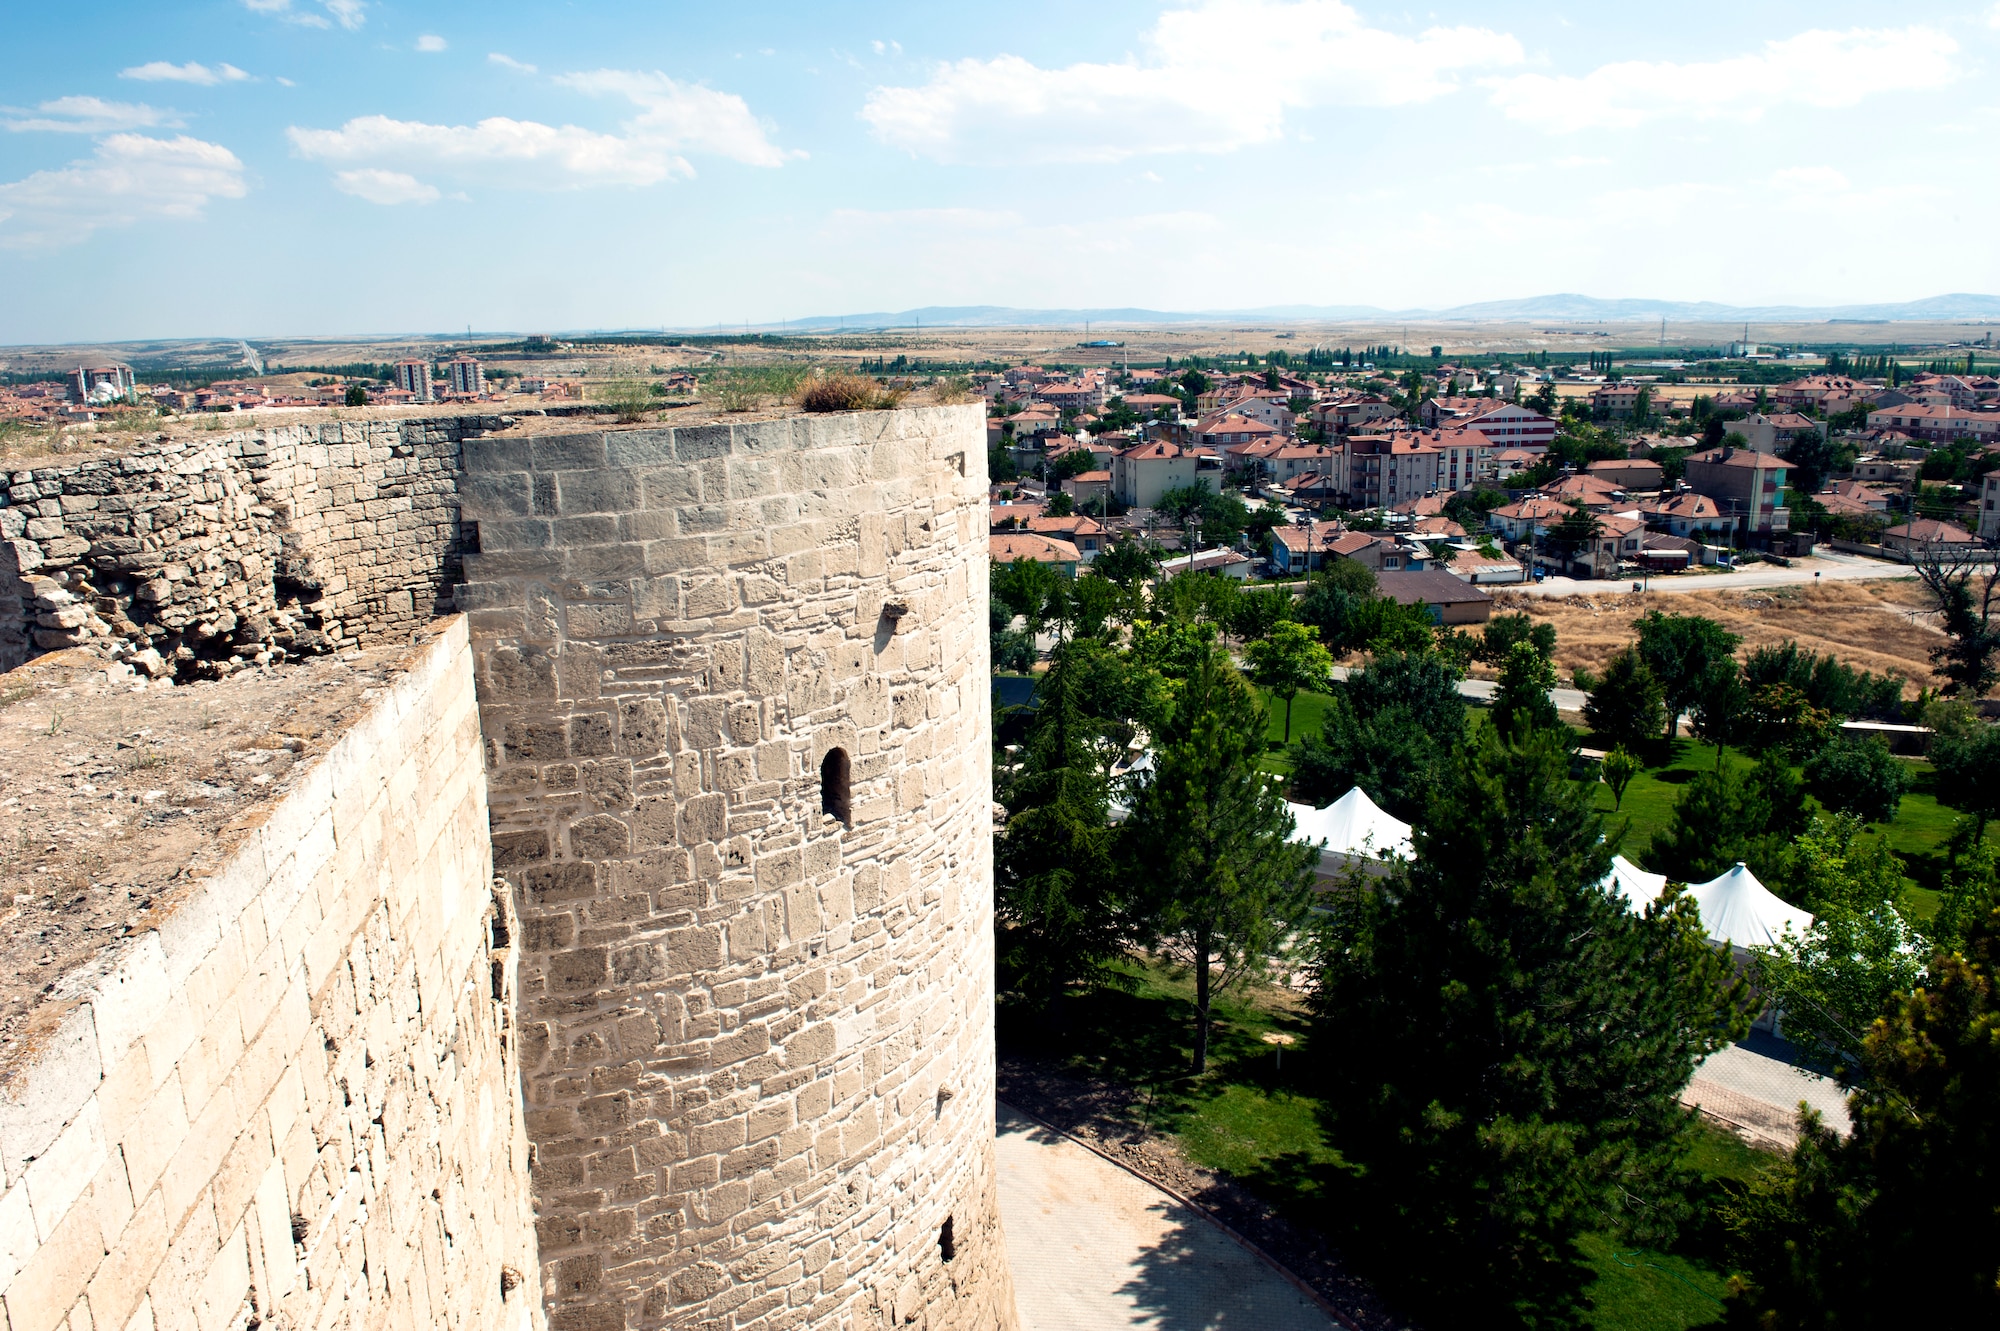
(1267, 1128)
(1921, 827)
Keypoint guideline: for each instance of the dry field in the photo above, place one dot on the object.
(1884, 626)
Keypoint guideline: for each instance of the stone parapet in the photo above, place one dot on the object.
(295, 1102)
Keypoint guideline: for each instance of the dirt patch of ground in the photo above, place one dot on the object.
(1106, 1118)
(118, 795)
(1884, 625)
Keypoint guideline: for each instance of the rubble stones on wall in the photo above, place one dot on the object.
(191, 557)
(296, 1104)
(756, 1037)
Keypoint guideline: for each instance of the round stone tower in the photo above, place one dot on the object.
(734, 691)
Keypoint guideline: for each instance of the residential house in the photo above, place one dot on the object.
(1153, 404)
(1989, 507)
(1304, 548)
(1009, 547)
(1770, 434)
(1929, 534)
(1233, 429)
(1384, 470)
(1218, 559)
(1865, 495)
(1450, 600)
(1815, 389)
(1465, 457)
(1485, 570)
(1523, 519)
(1616, 399)
(1089, 486)
(1618, 541)
(1898, 474)
(1632, 475)
(1144, 472)
(1290, 461)
(1346, 415)
(1507, 424)
(1085, 533)
(1313, 489)
(1584, 488)
(1745, 485)
(1690, 515)
(1938, 424)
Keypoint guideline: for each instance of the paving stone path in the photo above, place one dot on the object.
(1095, 1247)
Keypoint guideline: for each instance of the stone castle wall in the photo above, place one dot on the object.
(193, 556)
(756, 1036)
(297, 1102)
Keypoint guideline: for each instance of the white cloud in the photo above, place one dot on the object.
(91, 115)
(349, 14)
(1219, 76)
(162, 71)
(674, 119)
(132, 177)
(384, 187)
(509, 62)
(532, 154)
(1993, 17)
(430, 41)
(1820, 69)
(887, 48)
(684, 116)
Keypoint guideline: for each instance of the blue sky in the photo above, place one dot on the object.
(268, 167)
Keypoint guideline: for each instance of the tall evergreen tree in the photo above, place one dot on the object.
(1207, 838)
(1060, 913)
(1626, 706)
(1512, 1042)
(1522, 696)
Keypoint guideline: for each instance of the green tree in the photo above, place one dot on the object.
(356, 395)
(1261, 610)
(1967, 763)
(1859, 776)
(1625, 708)
(1726, 816)
(1208, 839)
(1721, 710)
(1070, 465)
(1512, 1043)
(1503, 631)
(1683, 652)
(1089, 602)
(1028, 588)
(1618, 769)
(1895, 1225)
(1522, 696)
(1057, 903)
(1781, 717)
(1288, 662)
(1061, 505)
(1130, 564)
(1861, 949)
(1392, 729)
(1000, 464)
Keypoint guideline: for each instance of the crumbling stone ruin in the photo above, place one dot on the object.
(635, 939)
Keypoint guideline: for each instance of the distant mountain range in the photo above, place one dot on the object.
(1563, 307)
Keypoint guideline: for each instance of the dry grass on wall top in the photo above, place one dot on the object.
(1880, 625)
(848, 392)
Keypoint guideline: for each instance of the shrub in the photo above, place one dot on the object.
(847, 392)
(1858, 776)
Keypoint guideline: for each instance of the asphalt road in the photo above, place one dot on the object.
(1821, 568)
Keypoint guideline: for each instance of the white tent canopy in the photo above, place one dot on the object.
(1735, 908)
(1352, 825)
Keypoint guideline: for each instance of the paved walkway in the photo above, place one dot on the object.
(1755, 1086)
(1094, 1247)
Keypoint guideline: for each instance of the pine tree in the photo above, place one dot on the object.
(1512, 1042)
(1056, 898)
(1626, 707)
(1207, 842)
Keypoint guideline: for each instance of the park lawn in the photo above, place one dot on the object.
(1263, 1126)
(1921, 827)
